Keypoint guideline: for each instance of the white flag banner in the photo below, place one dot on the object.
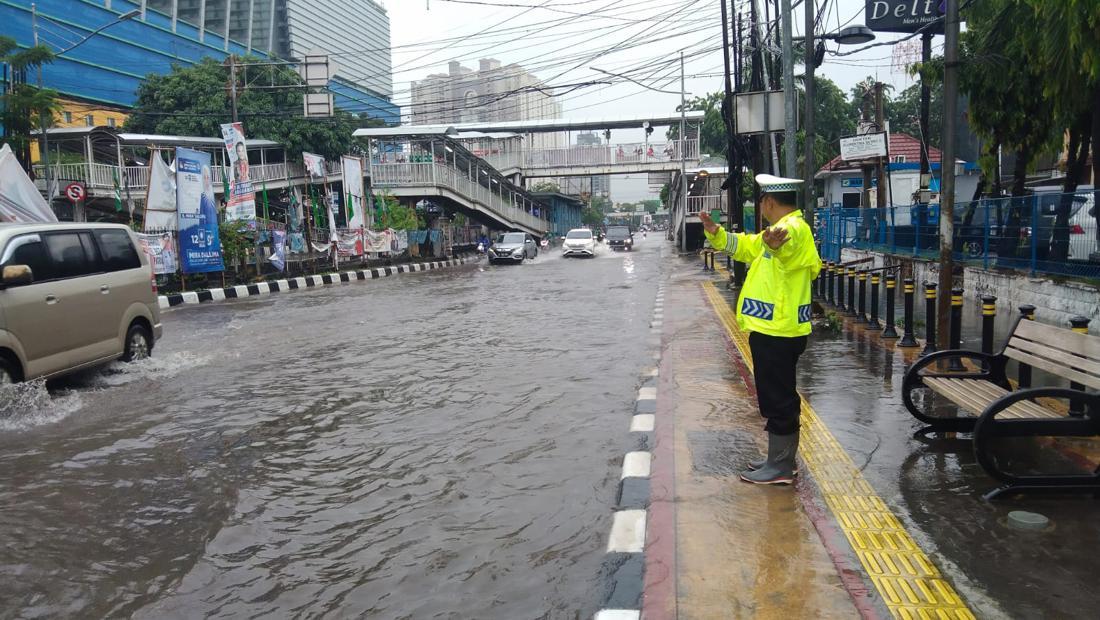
(160, 201)
(19, 198)
(353, 191)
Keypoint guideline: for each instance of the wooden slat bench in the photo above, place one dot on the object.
(989, 408)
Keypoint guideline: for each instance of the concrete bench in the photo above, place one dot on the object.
(988, 406)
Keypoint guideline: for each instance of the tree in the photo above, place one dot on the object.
(194, 101)
(833, 120)
(712, 138)
(25, 107)
(903, 112)
(650, 206)
(545, 186)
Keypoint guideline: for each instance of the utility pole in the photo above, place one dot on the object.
(233, 84)
(683, 161)
(810, 161)
(727, 113)
(880, 169)
(737, 203)
(758, 82)
(789, 142)
(42, 125)
(925, 98)
(947, 172)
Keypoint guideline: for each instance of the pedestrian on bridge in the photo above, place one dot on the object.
(774, 307)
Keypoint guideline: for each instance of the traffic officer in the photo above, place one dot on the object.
(774, 307)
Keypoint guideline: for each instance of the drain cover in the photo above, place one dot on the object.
(1023, 520)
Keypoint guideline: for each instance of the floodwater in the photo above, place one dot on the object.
(435, 445)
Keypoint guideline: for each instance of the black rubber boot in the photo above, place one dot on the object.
(756, 464)
(779, 466)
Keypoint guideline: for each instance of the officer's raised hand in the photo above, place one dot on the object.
(774, 237)
(708, 224)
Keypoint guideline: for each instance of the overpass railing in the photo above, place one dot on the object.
(697, 204)
(102, 176)
(611, 154)
(438, 175)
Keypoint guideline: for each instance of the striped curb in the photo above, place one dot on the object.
(623, 567)
(301, 282)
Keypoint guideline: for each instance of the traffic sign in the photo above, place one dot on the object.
(75, 192)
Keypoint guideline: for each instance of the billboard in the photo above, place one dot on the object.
(353, 191)
(199, 244)
(905, 15)
(750, 112)
(240, 204)
(315, 165)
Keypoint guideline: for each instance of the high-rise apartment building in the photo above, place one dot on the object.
(492, 93)
(109, 67)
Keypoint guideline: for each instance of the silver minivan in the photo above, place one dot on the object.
(73, 296)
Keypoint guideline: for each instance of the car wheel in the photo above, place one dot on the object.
(138, 344)
(7, 372)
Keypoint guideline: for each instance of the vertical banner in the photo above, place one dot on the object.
(315, 165)
(240, 204)
(200, 247)
(353, 190)
(161, 249)
(160, 200)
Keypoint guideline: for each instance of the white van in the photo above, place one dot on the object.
(73, 296)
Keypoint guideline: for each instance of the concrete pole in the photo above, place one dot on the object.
(683, 160)
(808, 117)
(42, 125)
(947, 171)
(789, 128)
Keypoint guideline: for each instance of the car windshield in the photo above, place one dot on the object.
(510, 238)
(618, 232)
(579, 234)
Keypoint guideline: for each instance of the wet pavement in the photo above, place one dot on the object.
(438, 445)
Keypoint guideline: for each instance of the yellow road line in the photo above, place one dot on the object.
(909, 583)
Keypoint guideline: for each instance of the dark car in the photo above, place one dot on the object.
(620, 238)
(513, 248)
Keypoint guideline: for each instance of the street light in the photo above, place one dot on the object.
(852, 35)
(41, 115)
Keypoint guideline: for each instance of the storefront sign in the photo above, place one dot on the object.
(905, 15)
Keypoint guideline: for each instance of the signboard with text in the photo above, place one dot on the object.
(199, 244)
(864, 146)
(904, 15)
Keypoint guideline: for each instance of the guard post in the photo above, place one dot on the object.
(956, 328)
(989, 315)
(872, 322)
(1023, 371)
(851, 291)
(929, 318)
(891, 292)
(909, 338)
(862, 296)
(829, 283)
(840, 288)
(1080, 325)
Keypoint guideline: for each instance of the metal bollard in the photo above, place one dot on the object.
(956, 327)
(862, 296)
(909, 339)
(851, 292)
(829, 282)
(1080, 325)
(989, 315)
(1023, 371)
(891, 292)
(929, 318)
(872, 322)
(840, 288)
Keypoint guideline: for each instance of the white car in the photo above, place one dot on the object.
(579, 242)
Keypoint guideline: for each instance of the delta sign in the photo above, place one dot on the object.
(905, 15)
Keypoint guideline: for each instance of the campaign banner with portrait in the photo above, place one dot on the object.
(315, 165)
(353, 191)
(376, 241)
(199, 244)
(161, 249)
(160, 198)
(278, 246)
(240, 204)
(349, 243)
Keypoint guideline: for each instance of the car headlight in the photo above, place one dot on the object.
(517, 251)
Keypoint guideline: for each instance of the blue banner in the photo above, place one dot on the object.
(200, 247)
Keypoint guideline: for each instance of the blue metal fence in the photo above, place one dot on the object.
(1048, 233)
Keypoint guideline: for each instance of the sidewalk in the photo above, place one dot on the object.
(716, 547)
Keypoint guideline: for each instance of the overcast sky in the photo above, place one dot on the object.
(561, 41)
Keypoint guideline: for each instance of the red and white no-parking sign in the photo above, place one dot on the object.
(75, 192)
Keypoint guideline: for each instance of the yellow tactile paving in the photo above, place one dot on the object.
(909, 583)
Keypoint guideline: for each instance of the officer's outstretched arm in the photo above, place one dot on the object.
(743, 247)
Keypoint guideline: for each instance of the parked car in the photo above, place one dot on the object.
(73, 296)
(514, 247)
(620, 238)
(579, 242)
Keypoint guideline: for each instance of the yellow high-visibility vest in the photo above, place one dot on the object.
(775, 299)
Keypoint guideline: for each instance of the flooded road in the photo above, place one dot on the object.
(438, 445)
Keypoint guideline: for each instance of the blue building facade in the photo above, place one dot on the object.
(565, 211)
(109, 66)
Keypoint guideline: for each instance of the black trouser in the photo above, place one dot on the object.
(774, 362)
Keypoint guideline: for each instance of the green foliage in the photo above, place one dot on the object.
(194, 101)
(24, 106)
(236, 239)
(712, 139)
(400, 217)
(545, 186)
(650, 206)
